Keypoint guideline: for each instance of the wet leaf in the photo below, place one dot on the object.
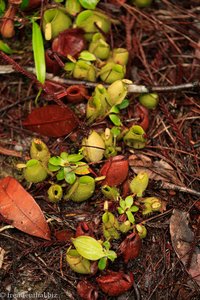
(51, 120)
(88, 247)
(20, 208)
(115, 283)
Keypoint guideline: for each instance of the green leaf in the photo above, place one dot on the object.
(2, 6)
(24, 4)
(102, 263)
(134, 208)
(86, 55)
(88, 247)
(60, 175)
(5, 48)
(129, 201)
(90, 4)
(115, 131)
(81, 168)
(72, 158)
(64, 156)
(38, 52)
(124, 104)
(111, 255)
(53, 168)
(107, 245)
(115, 119)
(114, 109)
(120, 210)
(122, 204)
(130, 217)
(70, 177)
(56, 161)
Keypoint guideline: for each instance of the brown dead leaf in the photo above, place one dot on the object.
(182, 238)
(158, 170)
(19, 207)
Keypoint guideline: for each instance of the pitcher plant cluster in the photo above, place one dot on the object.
(77, 33)
(71, 178)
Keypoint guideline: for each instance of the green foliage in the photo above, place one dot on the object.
(89, 4)
(127, 207)
(5, 48)
(115, 110)
(38, 52)
(68, 166)
(91, 249)
(2, 6)
(24, 4)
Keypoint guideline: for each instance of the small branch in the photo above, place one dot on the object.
(132, 88)
(174, 187)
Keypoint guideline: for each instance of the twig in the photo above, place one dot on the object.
(171, 186)
(9, 152)
(132, 88)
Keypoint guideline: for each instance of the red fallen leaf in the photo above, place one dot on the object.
(51, 120)
(115, 170)
(69, 42)
(18, 206)
(115, 283)
(86, 290)
(83, 229)
(130, 247)
(64, 235)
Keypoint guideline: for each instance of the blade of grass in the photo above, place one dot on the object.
(38, 52)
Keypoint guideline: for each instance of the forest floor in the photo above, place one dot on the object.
(164, 47)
